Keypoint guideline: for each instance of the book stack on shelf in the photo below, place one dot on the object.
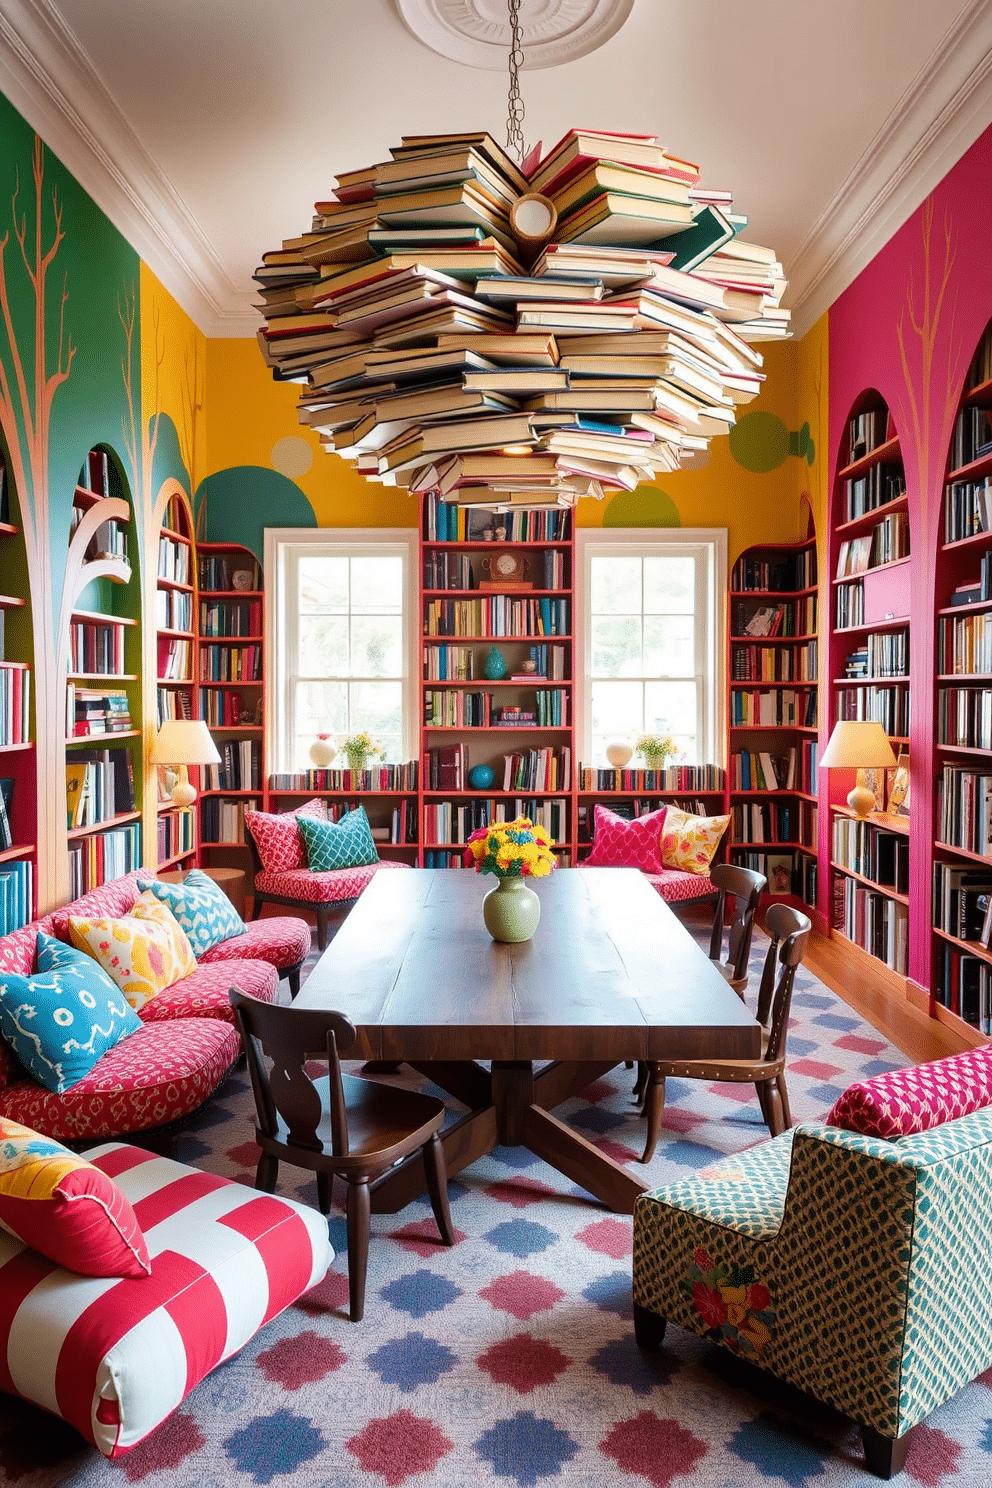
(962, 932)
(773, 725)
(449, 347)
(175, 617)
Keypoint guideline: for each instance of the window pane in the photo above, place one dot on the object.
(616, 708)
(669, 585)
(616, 586)
(323, 646)
(378, 707)
(377, 646)
(668, 646)
(670, 708)
(616, 646)
(323, 585)
(377, 584)
(321, 708)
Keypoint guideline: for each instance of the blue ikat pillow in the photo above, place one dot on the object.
(201, 907)
(61, 1021)
(347, 843)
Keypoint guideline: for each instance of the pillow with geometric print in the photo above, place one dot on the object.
(201, 907)
(619, 842)
(690, 842)
(347, 843)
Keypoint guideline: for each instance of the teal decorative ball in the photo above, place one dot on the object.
(480, 777)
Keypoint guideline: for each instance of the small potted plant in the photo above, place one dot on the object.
(655, 749)
(513, 851)
(359, 749)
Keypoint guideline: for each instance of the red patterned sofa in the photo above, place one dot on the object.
(186, 1044)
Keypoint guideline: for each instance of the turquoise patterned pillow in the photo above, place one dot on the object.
(60, 1021)
(342, 844)
(201, 907)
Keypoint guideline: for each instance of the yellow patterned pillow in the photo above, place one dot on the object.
(689, 842)
(143, 952)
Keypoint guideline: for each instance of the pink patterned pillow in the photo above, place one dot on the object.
(903, 1102)
(277, 837)
(619, 843)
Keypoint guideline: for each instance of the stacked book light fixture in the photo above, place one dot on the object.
(504, 333)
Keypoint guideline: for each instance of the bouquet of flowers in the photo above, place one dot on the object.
(514, 849)
(358, 749)
(656, 749)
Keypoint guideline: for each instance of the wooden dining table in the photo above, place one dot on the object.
(512, 1031)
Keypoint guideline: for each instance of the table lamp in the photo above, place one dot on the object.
(182, 742)
(858, 746)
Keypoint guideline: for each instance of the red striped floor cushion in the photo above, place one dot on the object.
(157, 1074)
(676, 887)
(905, 1101)
(115, 1357)
(321, 888)
(203, 994)
(282, 941)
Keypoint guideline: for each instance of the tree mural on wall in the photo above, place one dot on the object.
(28, 386)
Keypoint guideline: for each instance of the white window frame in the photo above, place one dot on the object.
(709, 546)
(284, 546)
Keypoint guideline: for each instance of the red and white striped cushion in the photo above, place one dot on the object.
(282, 941)
(115, 1356)
(204, 993)
(321, 888)
(676, 887)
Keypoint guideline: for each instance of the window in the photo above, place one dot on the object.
(338, 640)
(651, 639)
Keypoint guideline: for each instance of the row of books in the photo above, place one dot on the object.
(762, 771)
(785, 575)
(102, 856)
(963, 984)
(240, 767)
(221, 663)
(886, 543)
(93, 710)
(15, 703)
(175, 834)
(6, 812)
(446, 521)
(217, 574)
(872, 851)
(399, 777)
(752, 663)
(16, 895)
(445, 663)
(967, 509)
(99, 786)
(497, 615)
(174, 609)
(875, 922)
(849, 606)
(980, 370)
(962, 901)
(175, 659)
(230, 617)
(972, 437)
(461, 709)
(888, 706)
(447, 570)
(671, 778)
(224, 821)
(964, 644)
(173, 561)
(172, 702)
(883, 654)
(866, 431)
(964, 717)
(879, 485)
(96, 647)
(792, 618)
(964, 809)
(779, 707)
(775, 821)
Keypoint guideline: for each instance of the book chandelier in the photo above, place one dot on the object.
(501, 333)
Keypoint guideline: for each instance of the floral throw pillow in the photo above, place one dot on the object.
(277, 836)
(689, 842)
(143, 952)
(622, 843)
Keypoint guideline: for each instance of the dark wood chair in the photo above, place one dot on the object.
(333, 1123)
(330, 913)
(789, 932)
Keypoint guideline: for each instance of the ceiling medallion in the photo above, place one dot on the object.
(477, 34)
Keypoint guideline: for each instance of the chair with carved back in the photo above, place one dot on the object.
(334, 1124)
(788, 930)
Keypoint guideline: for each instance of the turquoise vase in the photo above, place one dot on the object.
(494, 666)
(511, 910)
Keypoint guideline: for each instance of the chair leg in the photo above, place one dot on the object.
(323, 914)
(293, 978)
(359, 1208)
(649, 1329)
(884, 1455)
(437, 1187)
(267, 1173)
(325, 1182)
(654, 1109)
(784, 1097)
(256, 907)
(771, 1107)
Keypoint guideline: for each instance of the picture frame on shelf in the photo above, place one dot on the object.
(874, 779)
(899, 787)
(167, 777)
(778, 870)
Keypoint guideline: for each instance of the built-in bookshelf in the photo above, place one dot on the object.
(18, 761)
(497, 700)
(103, 691)
(230, 681)
(176, 656)
(389, 794)
(962, 867)
(773, 715)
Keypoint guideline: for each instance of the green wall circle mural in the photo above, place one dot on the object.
(759, 442)
(245, 499)
(645, 507)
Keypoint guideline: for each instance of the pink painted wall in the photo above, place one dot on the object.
(908, 326)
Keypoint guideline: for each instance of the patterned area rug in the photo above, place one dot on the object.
(510, 1358)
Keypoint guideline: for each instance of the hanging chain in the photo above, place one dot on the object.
(515, 103)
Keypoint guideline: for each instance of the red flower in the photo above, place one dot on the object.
(702, 1258)
(709, 1304)
(758, 1297)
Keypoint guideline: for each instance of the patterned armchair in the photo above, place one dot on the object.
(855, 1268)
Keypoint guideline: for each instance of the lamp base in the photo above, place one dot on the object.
(183, 793)
(862, 798)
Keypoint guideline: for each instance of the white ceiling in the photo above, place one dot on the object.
(206, 129)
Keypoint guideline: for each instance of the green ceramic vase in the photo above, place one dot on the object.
(511, 910)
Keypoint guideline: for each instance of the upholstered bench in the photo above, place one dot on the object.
(184, 1268)
(851, 1259)
(672, 848)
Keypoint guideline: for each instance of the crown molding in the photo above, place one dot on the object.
(900, 167)
(50, 80)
